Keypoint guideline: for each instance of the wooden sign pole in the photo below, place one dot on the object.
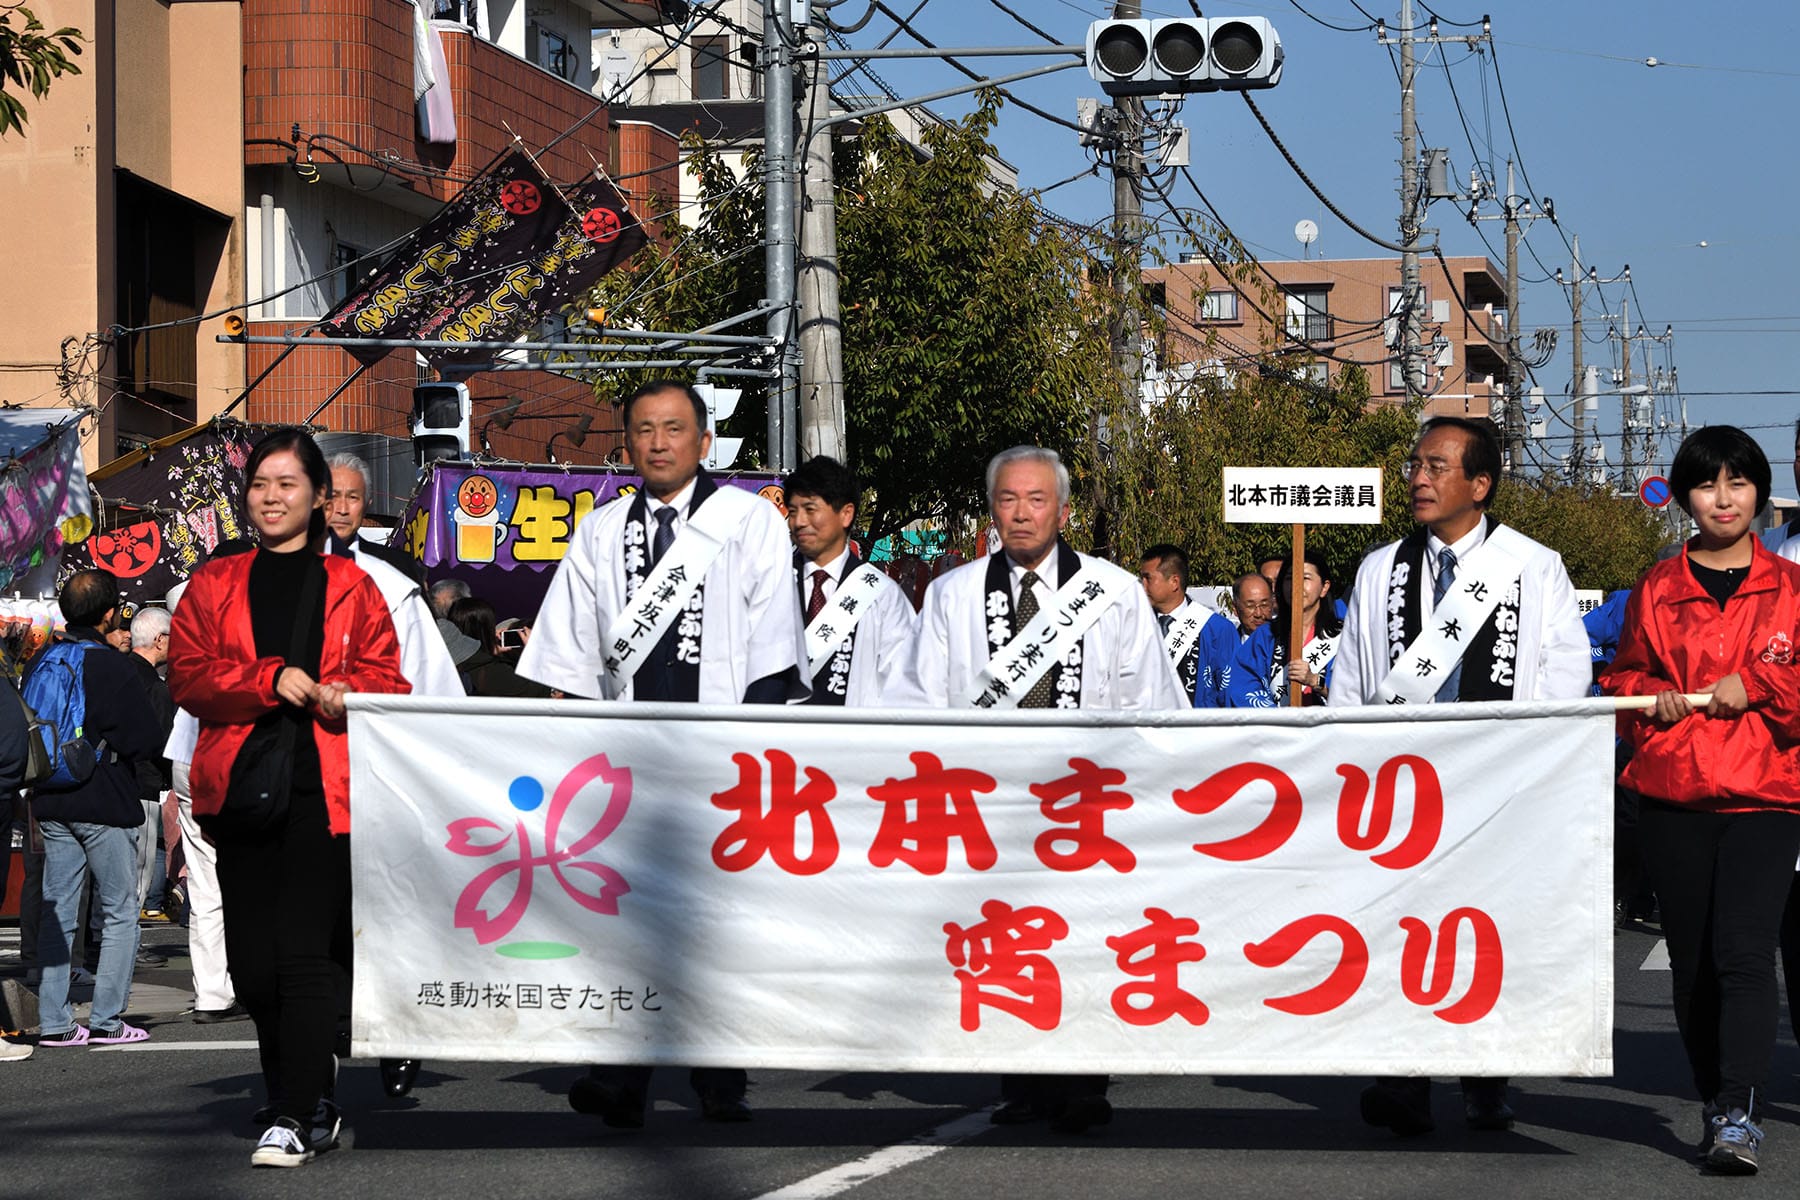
(1296, 602)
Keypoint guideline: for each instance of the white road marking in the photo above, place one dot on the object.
(882, 1162)
(1658, 958)
(153, 1044)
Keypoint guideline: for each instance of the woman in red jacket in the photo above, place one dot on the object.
(232, 663)
(1720, 824)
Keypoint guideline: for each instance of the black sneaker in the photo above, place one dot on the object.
(1736, 1143)
(327, 1123)
(1708, 1112)
(283, 1144)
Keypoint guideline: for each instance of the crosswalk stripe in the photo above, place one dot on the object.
(1658, 958)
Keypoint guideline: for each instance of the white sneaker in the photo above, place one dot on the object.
(282, 1145)
(15, 1051)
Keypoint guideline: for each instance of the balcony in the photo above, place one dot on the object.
(328, 85)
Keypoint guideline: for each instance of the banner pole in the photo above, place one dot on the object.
(1296, 635)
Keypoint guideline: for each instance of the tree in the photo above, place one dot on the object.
(1170, 483)
(968, 324)
(1607, 541)
(29, 59)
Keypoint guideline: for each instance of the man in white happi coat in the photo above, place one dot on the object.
(987, 639)
(1463, 609)
(683, 592)
(859, 624)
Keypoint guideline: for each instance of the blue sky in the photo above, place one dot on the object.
(1644, 164)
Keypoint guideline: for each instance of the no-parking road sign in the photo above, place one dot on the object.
(1655, 492)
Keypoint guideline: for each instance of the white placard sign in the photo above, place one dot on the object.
(1368, 891)
(1303, 495)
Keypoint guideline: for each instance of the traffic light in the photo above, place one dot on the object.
(720, 404)
(440, 422)
(1183, 54)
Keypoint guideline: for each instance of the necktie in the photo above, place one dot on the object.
(1043, 692)
(665, 534)
(816, 602)
(1447, 691)
(1165, 620)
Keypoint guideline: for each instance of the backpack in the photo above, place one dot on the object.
(38, 764)
(56, 693)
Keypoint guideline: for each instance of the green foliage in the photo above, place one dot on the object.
(29, 59)
(1171, 483)
(1607, 541)
(967, 325)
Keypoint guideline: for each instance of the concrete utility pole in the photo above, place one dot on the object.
(823, 428)
(1577, 378)
(1513, 210)
(1126, 333)
(1626, 399)
(778, 219)
(1412, 360)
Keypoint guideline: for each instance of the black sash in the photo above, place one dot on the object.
(1488, 663)
(672, 672)
(1002, 621)
(832, 683)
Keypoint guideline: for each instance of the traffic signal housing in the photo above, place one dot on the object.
(440, 422)
(721, 402)
(1175, 55)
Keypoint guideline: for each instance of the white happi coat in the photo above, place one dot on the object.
(1553, 662)
(1124, 664)
(424, 658)
(884, 639)
(751, 625)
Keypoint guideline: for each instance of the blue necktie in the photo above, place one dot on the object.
(665, 534)
(1446, 575)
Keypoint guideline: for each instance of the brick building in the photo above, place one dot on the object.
(1343, 307)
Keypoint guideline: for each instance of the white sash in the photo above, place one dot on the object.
(1319, 652)
(1047, 638)
(1482, 581)
(1183, 634)
(854, 597)
(643, 621)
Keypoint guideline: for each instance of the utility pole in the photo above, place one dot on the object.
(822, 416)
(778, 221)
(1577, 388)
(1512, 209)
(1626, 399)
(1126, 332)
(1411, 358)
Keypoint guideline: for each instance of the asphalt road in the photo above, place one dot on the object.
(171, 1119)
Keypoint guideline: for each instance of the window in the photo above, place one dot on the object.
(1219, 306)
(342, 255)
(711, 56)
(551, 51)
(1308, 314)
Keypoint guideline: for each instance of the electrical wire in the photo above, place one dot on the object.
(1327, 24)
(1314, 188)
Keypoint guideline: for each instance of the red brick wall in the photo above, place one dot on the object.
(381, 400)
(344, 68)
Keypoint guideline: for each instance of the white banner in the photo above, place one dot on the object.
(1318, 891)
(1303, 495)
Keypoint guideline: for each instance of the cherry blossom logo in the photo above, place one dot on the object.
(495, 901)
(1779, 651)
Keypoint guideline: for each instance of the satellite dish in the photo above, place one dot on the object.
(1306, 233)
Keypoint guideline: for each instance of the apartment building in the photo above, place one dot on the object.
(1331, 311)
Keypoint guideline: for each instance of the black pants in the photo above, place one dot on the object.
(1790, 954)
(284, 899)
(1723, 881)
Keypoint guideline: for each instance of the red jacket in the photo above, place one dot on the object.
(215, 674)
(1675, 636)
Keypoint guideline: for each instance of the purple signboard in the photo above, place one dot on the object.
(501, 528)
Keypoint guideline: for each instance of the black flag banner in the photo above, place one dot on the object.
(492, 265)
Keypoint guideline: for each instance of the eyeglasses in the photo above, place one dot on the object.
(1435, 468)
(1257, 605)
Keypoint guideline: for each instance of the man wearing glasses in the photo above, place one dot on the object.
(1463, 569)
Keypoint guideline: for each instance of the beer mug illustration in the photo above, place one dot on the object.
(477, 517)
